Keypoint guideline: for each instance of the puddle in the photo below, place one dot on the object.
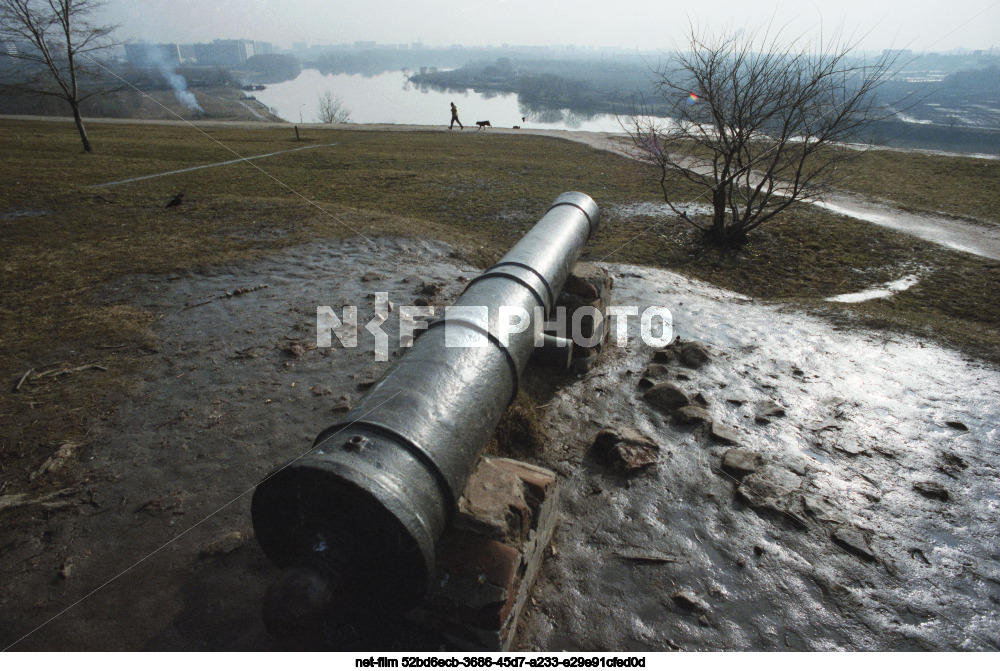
(15, 214)
(884, 291)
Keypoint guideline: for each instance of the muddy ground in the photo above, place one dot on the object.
(870, 522)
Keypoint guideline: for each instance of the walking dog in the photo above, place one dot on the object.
(483, 124)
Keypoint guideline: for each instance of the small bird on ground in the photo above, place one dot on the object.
(175, 201)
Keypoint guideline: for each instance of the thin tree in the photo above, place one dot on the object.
(57, 46)
(332, 110)
(753, 122)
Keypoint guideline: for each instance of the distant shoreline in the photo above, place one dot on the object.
(584, 136)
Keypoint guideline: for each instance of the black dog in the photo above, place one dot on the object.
(483, 124)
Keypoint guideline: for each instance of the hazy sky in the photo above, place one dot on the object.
(646, 24)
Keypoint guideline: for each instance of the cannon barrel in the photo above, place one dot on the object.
(355, 520)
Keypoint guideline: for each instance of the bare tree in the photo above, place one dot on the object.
(332, 110)
(751, 120)
(56, 46)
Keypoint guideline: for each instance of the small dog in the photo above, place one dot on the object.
(517, 128)
(483, 124)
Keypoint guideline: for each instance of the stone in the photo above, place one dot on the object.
(493, 505)
(931, 490)
(630, 457)
(665, 355)
(655, 371)
(694, 354)
(372, 276)
(955, 424)
(768, 486)
(850, 448)
(692, 414)
(225, 544)
(738, 463)
(57, 461)
(343, 404)
(951, 464)
(480, 584)
(852, 540)
(295, 350)
(723, 434)
(430, 289)
(687, 600)
(368, 379)
(816, 507)
(666, 397)
(626, 448)
(774, 489)
(700, 399)
(480, 572)
(413, 279)
(588, 281)
(766, 410)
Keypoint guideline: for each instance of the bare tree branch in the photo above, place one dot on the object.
(56, 43)
(332, 110)
(750, 117)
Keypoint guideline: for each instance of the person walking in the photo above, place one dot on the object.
(454, 118)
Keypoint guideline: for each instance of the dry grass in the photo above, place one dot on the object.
(479, 191)
(912, 180)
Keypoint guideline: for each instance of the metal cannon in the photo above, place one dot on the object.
(354, 522)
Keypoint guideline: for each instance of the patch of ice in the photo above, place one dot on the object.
(882, 291)
(656, 209)
(910, 119)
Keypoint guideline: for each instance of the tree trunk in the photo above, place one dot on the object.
(87, 147)
(719, 214)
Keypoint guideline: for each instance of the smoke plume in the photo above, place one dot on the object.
(177, 82)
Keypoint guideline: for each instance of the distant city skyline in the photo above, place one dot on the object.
(918, 25)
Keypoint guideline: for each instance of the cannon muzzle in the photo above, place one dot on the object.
(354, 522)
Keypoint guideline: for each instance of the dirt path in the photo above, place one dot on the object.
(940, 229)
(952, 232)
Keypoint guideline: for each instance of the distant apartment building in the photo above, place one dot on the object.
(262, 48)
(227, 53)
(146, 54)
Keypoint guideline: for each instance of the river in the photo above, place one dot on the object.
(390, 98)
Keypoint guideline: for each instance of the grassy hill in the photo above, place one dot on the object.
(62, 237)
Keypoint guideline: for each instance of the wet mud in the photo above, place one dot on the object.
(157, 538)
(867, 522)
